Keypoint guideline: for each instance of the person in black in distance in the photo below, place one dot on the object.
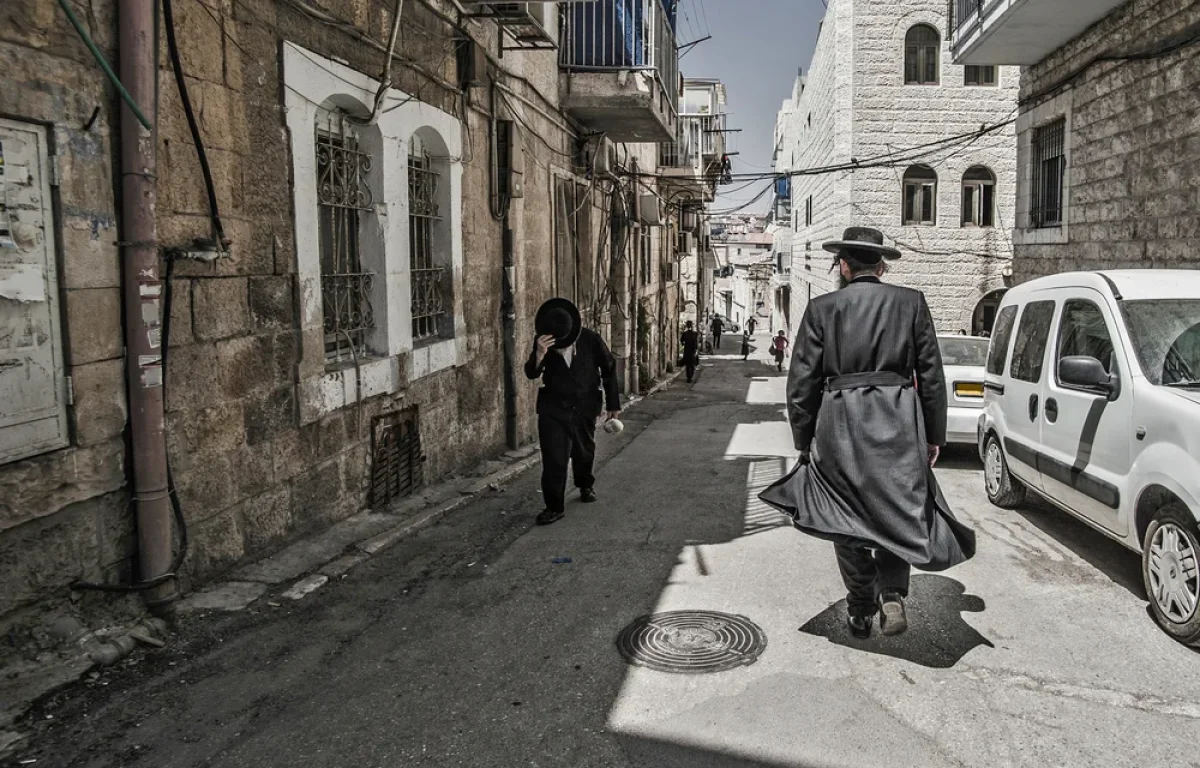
(691, 345)
(579, 381)
(718, 328)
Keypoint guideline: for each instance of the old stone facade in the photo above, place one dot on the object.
(880, 84)
(1131, 145)
(269, 416)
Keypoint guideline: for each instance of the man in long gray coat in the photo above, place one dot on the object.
(867, 407)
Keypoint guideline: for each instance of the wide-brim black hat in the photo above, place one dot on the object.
(865, 242)
(542, 326)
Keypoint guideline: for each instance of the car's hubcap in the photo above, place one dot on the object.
(1174, 573)
(993, 468)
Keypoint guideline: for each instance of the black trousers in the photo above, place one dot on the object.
(717, 339)
(689, 364)
(566, 436)
(867, 574)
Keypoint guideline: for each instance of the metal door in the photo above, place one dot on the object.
(33, 402)
(1024, 389)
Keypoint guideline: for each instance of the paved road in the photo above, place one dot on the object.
(468, 646)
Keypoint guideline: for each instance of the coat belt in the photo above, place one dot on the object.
(867, 379)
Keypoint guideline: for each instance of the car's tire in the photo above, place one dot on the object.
(1171, 571)
(1003, 490)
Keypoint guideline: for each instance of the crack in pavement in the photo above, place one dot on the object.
(1156, 705)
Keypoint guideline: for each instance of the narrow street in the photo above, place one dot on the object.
(468, 645)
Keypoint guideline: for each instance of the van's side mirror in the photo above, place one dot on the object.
(1087, 372)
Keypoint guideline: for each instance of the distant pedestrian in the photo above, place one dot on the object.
(718, 327)
(745, 346)
(779, 346)
(868, 438)
(690, 340)
(579, 382)
(751, 324)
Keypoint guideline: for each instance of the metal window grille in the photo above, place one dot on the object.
(343, 198)
(396, 457)
(428, 295)
(1049, 168)
(979, 74)
(922, 45)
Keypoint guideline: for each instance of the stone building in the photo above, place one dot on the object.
(355, 314)
(897, 126)
(1108, 136)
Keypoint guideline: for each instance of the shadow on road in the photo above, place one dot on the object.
(938, 636)
(660, 753)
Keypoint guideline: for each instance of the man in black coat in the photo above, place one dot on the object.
(867, 407)
(574, 364)
(691, 349)
(718, 327)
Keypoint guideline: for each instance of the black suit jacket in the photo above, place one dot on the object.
(580, 385)
(866, 326)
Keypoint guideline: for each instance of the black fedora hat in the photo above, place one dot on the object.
(545, 322)
(866, 243)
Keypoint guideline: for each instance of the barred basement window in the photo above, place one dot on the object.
(428, 291)
(922, 46)
(920, 195)
(978, 197)
(344, 198)
(979, 74)
(1049, 169)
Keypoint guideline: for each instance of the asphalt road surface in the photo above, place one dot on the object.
(467, 645)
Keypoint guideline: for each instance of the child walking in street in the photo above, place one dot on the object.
(779, 346)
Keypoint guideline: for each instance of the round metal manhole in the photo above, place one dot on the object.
(691, 642)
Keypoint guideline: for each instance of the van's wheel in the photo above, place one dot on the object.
(1171, 570)
(1003, 490)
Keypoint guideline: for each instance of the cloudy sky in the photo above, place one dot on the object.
(756, 48)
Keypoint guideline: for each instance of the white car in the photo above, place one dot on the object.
(963, 358)
(1093, 403)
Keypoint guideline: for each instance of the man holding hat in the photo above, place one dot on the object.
(867, 407)
(579, 379)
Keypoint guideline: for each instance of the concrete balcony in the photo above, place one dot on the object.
(621, 69)
(1020, 32)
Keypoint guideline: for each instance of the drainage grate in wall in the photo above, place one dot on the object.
(691, 642)
(396, 456)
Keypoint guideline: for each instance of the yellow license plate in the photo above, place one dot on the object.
(967, 389)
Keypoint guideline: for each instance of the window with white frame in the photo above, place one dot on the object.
(979, 197)
(345, 203)
(920, 196)
(979, 75)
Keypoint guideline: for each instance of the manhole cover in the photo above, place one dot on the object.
(691, 642)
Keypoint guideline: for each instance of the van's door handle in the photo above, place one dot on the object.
(1052, 410)
(1033, 407)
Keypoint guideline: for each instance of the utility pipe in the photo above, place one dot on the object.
(142, 286)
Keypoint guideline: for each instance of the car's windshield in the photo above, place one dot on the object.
(1166, 339)
(963, 351)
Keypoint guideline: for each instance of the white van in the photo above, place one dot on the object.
(1092, 401)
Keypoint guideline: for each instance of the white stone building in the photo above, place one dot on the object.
(881, 83)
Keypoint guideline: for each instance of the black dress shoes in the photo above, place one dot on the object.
(892, 618)
(860, 626)
(549, 516)
(587, 495)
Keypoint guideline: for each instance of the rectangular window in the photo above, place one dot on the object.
(1001, 335)
(978, 204)
(645, 246)
(1083, 331)
(428, 296)
(1049, 170)
(919, 202)
(1029, 352)
(344, 200)
(808, 212)
(979, 74)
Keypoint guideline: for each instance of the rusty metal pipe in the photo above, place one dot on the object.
(143, 289)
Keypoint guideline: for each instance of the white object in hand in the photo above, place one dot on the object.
(613, 426)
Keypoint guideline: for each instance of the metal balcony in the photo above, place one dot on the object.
(684, 165)
(1020, 31)
(621, 68)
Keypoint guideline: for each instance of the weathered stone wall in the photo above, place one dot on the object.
(1133, 143)
(251, 470)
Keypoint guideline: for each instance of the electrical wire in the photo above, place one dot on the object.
(104, 65)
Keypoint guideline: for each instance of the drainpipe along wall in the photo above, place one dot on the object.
(142, 287)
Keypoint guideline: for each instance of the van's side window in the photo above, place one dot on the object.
(1083, 331)
(1001, 335)
(1029, 353)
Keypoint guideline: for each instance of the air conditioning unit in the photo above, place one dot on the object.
(530, 25)
(650, 210)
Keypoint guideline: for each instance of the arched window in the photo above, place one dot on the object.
(920, 195)
(429, 238)
(922, 46)
(978, 197)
